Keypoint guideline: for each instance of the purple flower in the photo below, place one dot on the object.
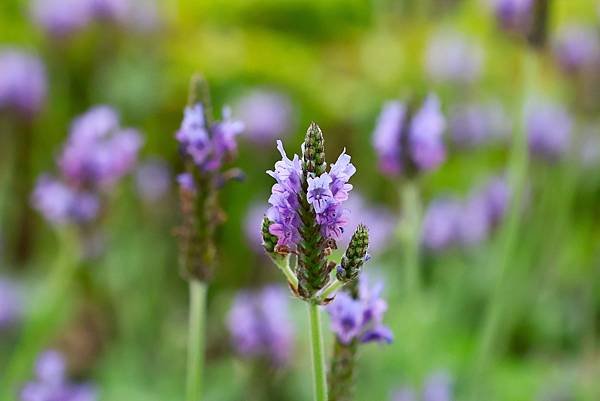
(360, 319)
(405, 394)
(548, 131)
(577, 48)
(23, 83)
(109, 10)
(61, 204)
(381, 222)
(259, 325)
(266, 115)
(423, 137)
(453, 57)
(319, 192)
(426, 130)
(207, 146)
(497, 195)
(513, 15)
(252, 226)
(475, 124)
(61, 18)
(10, 304)
(98, 152)
(438, 387)
(387, 137)
(52, 384)
(474, 222)
(440, 224)
(153, 180)
(186, 182)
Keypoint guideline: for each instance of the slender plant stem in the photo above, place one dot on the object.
(330, 289)
(284, 265)
(410, 234)
(318, 354)
(196, 340)
(43, 320)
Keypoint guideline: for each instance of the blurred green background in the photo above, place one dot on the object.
(124, 326)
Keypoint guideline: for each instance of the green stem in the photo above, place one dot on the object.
(410, 234)
(283, 264)
(196, 340)
(330, 289)
(318, 355)
(45, 317)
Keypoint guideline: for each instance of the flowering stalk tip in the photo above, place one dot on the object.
(355, 255)
(313, 151)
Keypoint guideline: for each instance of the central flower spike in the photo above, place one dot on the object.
(306, 214)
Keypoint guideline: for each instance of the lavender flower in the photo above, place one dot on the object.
(61, 204)
(153, 180)
(440, 224)
(266, 115)
(513, 15)
(208, 147)
(10, 304)
(99, 152)
(259, 325)
(252, 223)
(60, 18)
(438, 387)
(109, 10)
(422, 136)
(405, 394)
(474, 223)
(577, 48)
(23, 83)
(360, 319)
(52, 384)
(453, 57)
(548, 131)
(476, 124)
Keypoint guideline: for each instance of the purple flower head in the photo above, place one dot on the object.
(60, 18)
(426, 130)
(382, 222)
(453, 57)
(513, 15)
(405, 394)
(423, 137)
(52, 384)
(438, 387)
(252, 224)
(475, 124)
(440, 224)
(109, 10)
(474, 222)
(267, 115)
(208, 147)
(360, 319)
(60, 204)
(548, 131)
(497, 194)
(10, 304)
(325, 194)
(387, 137)
(259, 325)
(153, 180)
(577, 48)
(98, 152)
(23, 83)
(186, 182)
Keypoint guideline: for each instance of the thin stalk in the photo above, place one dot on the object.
(283, 264)
(41, 325)
(318, 354)
(331, 288)
(410, 234)
(196, 340)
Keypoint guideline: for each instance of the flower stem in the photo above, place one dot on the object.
(410, 234)
(330, 289)
(318, 356)
(284, 265)
(196, 340)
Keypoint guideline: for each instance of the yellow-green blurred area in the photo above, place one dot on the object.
(122, 322)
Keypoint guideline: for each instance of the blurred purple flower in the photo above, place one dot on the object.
(186, 182)
(475, 124)
(260, 326)
(438, 387)
(52, 384)
(153, 180)
(99, 152)
(548, 130)
(267, 115)
(61, 204)
(208, 147)
(109, 10)
(577, 48)
(497, 194)
(453, 57)
(252, 225)
(10, 304)
(513, 15)
(360, 319)
(23, 83)
(440, 224)
(405, 394)
(381, 222)
(61, 18)
(474, 222)
(424, 139)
